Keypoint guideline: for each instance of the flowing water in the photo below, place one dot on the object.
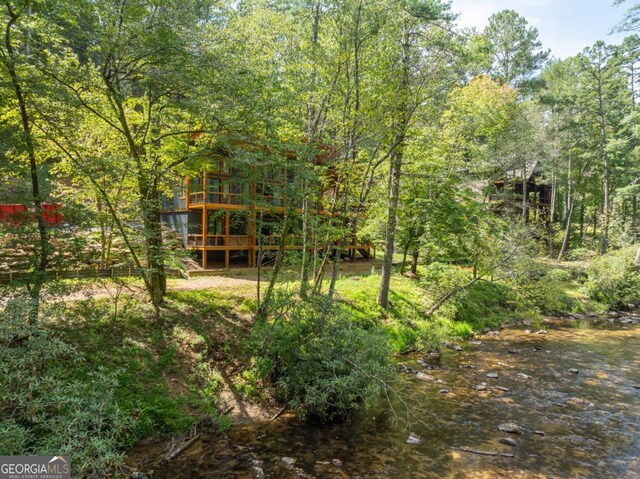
(590, 418)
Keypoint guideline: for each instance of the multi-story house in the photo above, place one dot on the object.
(228, 218)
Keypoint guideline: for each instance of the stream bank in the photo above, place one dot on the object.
(564, 401)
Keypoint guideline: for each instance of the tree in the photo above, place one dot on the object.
(411, 78)
(16, 60)
(131, 67)
(516, 51)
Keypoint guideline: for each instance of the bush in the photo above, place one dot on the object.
(613, 280)
(50, 405)
(321, 363)
(482, 304)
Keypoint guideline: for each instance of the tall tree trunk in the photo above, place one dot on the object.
(304, 271)
(567, 234)
(392, 220)
(634, 218)
(525, 195)
(395, 172)
(43, 247)
(606, 213)
(554, 200)
(569, 206)
(313, 119)
(582, 220)
(155, 271)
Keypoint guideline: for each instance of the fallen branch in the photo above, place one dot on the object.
(482, 453)
(179, 450)
(278, 414)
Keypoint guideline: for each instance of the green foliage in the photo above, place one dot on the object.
(50, 405)
(614, 280)
(322, 364)
(516, 50)
(484, 304)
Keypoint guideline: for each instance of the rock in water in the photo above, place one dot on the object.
(522, 376)
(573, 371)
(288, 462)
(539, 433)
(508, 441)
(480, 387)
(501, 388)
(510, 427)
(492, 375)
(413, 439)
(257, 472)
(424, 377)
(579, 402)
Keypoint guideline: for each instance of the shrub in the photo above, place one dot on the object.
(321, 363)
(613, 280)
(50, 405)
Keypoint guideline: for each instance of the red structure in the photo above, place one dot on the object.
(51, 214)
(13, 214)
(16, 214)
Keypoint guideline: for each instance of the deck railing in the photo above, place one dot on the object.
(215, 198)
(196, 241)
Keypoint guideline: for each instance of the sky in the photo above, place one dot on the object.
(565, 26)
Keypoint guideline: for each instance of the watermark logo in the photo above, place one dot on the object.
(35, 467)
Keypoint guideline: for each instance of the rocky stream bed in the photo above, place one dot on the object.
(558, 402)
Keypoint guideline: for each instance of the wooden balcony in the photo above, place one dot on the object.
(234, 200)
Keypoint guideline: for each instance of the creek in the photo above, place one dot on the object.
(572, 390)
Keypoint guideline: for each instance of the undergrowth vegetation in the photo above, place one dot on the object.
(320, 362)
(99, 373)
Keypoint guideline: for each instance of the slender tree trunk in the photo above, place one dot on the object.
(43, 246)
(606, 213)
(304, 271)
(634, 218)
(525, 195)
(567, 234)
(569, 206)
(154, 249)
(335, 270)
(554, 200)
(582, 219)
(392, 219)
(395, 171)
(414, 261)
(268, 295)
(405, 253)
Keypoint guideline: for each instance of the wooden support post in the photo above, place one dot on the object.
(227, 220)
(204, 236)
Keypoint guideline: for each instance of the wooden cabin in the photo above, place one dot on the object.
(507, 194)
(217, 213)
